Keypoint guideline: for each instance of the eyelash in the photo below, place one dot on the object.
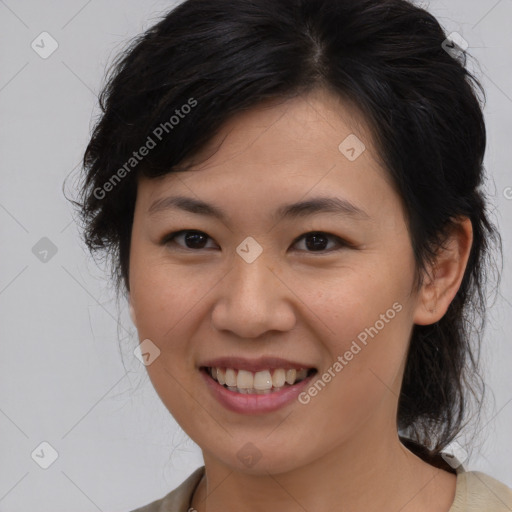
(167, 239)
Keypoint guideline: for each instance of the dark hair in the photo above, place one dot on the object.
(387, 57)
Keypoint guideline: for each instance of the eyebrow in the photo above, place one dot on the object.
(300, 209)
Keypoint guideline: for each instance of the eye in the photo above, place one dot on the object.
(317, 241)
(187, 239)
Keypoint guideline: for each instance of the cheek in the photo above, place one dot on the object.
(163, 294)
(165, 297)
(366, 333)
(364, 317)
(353, 300)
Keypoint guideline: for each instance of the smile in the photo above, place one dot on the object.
(261, 382)
(256, 392)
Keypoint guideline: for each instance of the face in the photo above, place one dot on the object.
(252, 283)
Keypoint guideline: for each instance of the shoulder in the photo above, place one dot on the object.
(477, 491)
(177, 500)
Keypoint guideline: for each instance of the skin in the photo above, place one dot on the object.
(340, 451)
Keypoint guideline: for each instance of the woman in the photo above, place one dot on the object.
(289, 192)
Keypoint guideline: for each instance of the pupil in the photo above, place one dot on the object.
(318, 241)
(194, 240)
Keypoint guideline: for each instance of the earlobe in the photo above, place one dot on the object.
(427, 308)
(441, 287)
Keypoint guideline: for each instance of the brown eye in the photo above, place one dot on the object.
(318, 241)
(187, 239)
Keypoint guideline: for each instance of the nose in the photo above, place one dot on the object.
(252, 300)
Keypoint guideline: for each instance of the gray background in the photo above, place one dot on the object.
(62, 378)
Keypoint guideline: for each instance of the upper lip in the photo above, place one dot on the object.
(254, 365)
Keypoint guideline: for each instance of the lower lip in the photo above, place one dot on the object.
(253, 403)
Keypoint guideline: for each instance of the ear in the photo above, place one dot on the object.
(441, 286)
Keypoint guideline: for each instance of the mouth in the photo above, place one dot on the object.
(255, 386)
(261, 382)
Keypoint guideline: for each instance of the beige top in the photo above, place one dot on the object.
(475, 492)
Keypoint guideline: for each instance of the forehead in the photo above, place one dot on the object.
(312, 123)
(308, 145)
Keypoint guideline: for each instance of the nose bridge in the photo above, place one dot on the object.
(252, 299)
(253, 281)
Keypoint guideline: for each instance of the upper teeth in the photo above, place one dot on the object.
(261, 381)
